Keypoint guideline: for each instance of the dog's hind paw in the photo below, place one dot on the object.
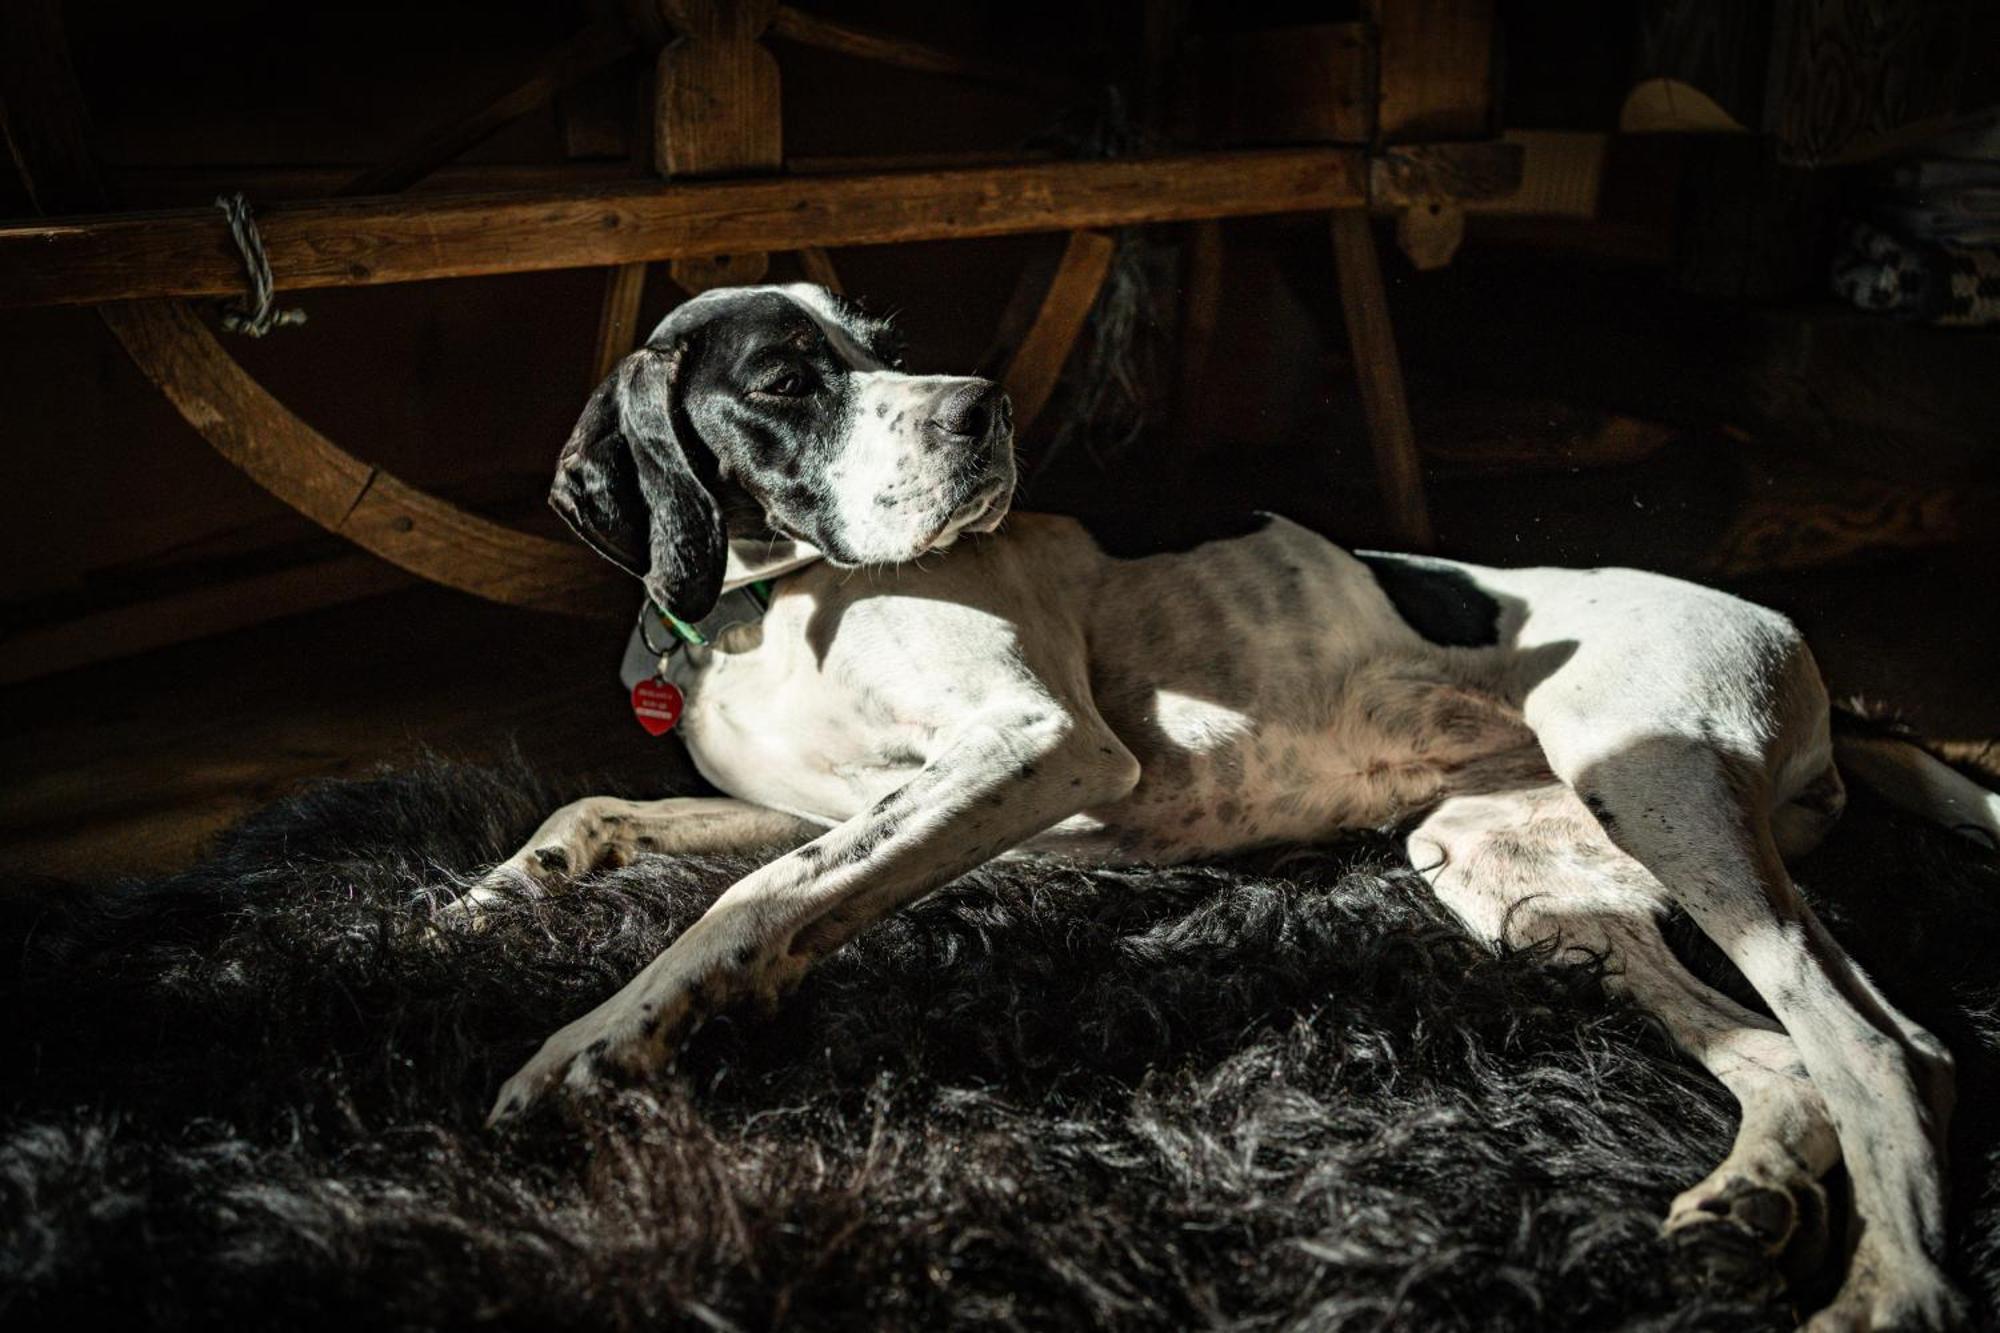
(1747, 1236)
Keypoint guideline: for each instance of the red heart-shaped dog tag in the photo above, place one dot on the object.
(657, 705)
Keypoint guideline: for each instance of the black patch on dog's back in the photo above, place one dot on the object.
(1436, 599)
(1134, 536)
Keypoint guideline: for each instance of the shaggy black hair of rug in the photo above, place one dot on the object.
(1283, 1091)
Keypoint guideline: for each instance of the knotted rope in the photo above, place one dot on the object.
(257, 315)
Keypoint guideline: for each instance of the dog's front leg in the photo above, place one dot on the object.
(1005, 776)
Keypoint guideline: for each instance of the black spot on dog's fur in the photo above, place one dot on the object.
(1436, 599)
(1596, 805)
(249, 1094)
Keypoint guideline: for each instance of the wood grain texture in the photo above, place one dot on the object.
(255, 431)
(1399, 177)
(362, 242)
(376, 511)
(717, 113)
(1434, 70)
(1032, 374)
(1379, 370)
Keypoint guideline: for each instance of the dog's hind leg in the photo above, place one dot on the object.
(1533, 867)
(600, 832)
(1691, 810)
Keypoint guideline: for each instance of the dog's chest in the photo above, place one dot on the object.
(823, 707)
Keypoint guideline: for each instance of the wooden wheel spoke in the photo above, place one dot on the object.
(1037, 364)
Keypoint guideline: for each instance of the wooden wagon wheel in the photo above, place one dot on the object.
(715, 112)
(45, 126)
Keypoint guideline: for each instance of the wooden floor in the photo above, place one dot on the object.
(126, 767)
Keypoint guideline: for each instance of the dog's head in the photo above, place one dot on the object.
(779, 410)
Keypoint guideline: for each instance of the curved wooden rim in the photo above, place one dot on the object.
(46, 123)
(394, 520)
(46, 128)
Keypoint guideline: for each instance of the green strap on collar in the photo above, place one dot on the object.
(692, 634)
(686, 633)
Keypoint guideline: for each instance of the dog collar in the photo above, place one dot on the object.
(734, 607)
(660, 636)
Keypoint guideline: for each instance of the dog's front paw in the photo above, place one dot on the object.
(628, 1038)
(536, 869)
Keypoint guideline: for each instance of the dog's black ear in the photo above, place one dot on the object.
(624, 485)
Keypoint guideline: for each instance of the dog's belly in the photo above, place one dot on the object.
(1384, 741)
(1272, 694)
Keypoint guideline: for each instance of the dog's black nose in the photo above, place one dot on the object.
(972, 410)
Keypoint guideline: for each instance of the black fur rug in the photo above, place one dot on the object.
(1279, 1092)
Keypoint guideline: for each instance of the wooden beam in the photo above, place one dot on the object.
(363, 242)
(1434, 68)
(717, 112)
(1415, 174)
(1032, 374)
(1372, 340)
(1428, 185)
(597, 46)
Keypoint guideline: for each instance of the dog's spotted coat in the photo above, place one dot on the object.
(1572, 752)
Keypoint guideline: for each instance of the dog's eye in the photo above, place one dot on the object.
(791, 384)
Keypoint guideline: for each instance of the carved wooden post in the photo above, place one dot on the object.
(717, 112)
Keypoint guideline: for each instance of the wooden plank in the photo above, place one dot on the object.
(716, 113)
(1305, 83)
(1434, 69)
(1379, 371)
(376, 511)
(1428, 184)
(617, 318)
(1417, 174)
(1032, 374)
(364, 242)
(596, 47)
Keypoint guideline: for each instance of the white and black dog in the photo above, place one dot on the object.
(1571, 752)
